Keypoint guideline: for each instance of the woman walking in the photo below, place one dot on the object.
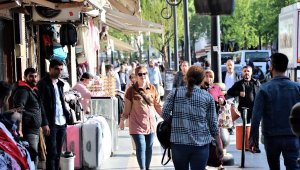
(142, 102)
(194, 122)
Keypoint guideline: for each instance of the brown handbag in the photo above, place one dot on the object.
(214, 158)
(235, 114)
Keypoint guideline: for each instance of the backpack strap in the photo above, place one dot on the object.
(169, 156)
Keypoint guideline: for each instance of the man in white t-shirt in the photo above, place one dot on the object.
(229, 77)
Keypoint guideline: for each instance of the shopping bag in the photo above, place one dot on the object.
(224, 118)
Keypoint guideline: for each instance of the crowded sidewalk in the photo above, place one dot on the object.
(124, 159)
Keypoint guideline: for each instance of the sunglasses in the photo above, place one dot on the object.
(141, 74)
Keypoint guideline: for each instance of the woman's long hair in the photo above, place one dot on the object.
(194, 76)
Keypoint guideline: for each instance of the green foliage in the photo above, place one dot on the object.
(253, 20)
(200, 26)
(151, 11)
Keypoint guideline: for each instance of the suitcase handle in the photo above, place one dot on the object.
(88, 146)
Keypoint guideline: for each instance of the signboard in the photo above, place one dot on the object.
(214, 7)
(169, 78)
(286, 39)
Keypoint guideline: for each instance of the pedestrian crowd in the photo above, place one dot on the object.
(193, 107)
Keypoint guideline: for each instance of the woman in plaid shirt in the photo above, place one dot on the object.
(194, 122)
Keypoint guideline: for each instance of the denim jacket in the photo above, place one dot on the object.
(273, 104)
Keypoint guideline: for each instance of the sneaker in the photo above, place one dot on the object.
(257, 150)
(231, 132)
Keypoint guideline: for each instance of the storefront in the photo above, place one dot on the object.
(7, 66)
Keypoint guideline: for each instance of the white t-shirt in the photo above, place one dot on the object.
(59, 113)
(229, 80)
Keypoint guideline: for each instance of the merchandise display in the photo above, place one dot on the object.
(104, 86)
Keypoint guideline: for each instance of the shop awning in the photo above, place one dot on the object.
(98, 4)
(129, 23)
(9, 4)
(121, 45)
(130, 7)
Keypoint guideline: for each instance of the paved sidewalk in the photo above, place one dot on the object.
(124, 160)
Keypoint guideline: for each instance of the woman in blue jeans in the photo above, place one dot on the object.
(142, 102)
(194, 123)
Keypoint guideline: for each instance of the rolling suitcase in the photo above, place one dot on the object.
(106, 134)
(73, 143)
(91, 145)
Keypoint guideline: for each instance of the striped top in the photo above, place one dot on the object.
(194, 120)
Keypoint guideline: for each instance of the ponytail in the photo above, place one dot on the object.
(189, 91)
(194, 76)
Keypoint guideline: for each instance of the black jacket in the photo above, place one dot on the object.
(29, 98)
(251, 88)
(47, 92)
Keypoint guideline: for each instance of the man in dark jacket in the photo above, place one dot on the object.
(246, 90)
(51, 91)
(26, 96)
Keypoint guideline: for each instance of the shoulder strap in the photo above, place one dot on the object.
(141, 94)
(174, 97)
(169, 156)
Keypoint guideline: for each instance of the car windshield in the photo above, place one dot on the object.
(236, 57)
(256, 56)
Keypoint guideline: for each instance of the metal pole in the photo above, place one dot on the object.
(215, 48)
(244, 115)
(219, 73)
(175, 39)
(169, 55)
(187, 47)
(148, 58)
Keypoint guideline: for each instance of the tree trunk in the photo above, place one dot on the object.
(164, 53)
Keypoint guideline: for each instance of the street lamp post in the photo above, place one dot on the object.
(187, 47)
(149, 41)
(194, 43)
(175, 39)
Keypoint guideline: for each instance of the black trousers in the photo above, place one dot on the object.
(54, 143)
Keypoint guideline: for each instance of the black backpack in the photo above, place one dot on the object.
(163, 132)
(68, 34)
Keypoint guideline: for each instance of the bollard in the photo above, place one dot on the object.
(244, 116)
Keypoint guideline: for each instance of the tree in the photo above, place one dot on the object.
(151, 10)
(254, 23)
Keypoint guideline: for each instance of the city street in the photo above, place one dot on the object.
(123, 158)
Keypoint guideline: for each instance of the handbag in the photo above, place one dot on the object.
(214, 159)
(163, 132)
(235, 114)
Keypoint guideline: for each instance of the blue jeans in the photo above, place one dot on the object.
(33, 140)
(288, 146)
(186, 155)
(54, 143)
(143, 145)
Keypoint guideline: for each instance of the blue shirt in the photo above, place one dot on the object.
(194, 120)
(154, 75)
(273, 104)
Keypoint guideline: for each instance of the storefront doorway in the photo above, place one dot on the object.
(6, 51)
